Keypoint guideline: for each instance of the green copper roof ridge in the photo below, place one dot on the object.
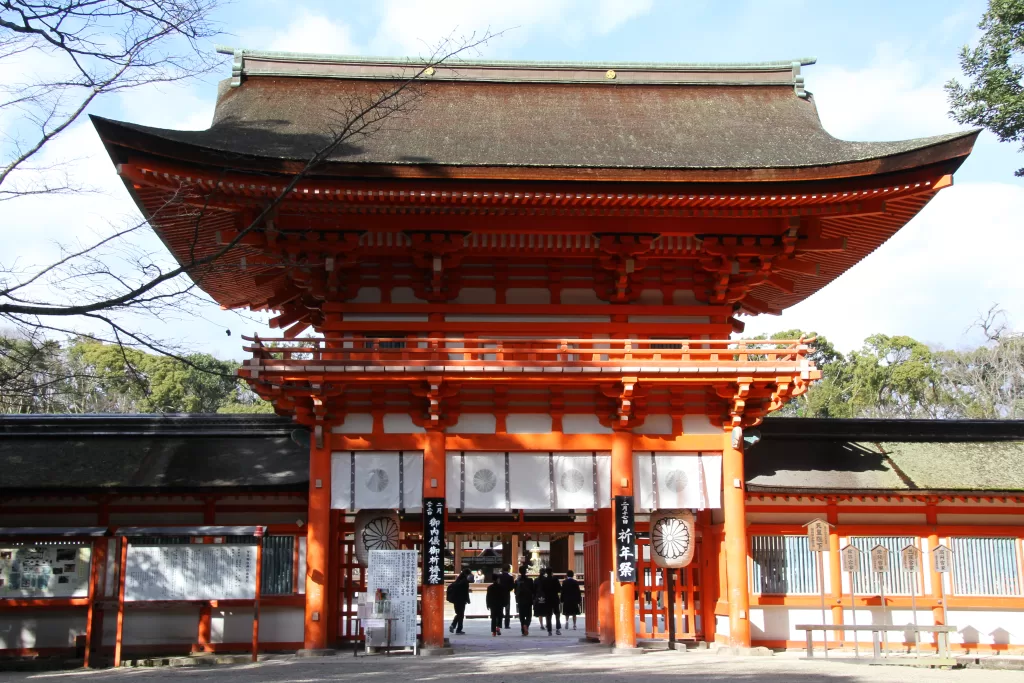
(779, 65)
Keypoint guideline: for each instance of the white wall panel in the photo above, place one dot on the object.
(341, 481)
(684, 480)
(405, 295)
(655, 424)
(527, 295)
(580, 297)
(367, 295)
(530, 481)
(355, 423)
(699, 424)
(583, 424)
(40, 629)
(527, 423)
(376, 481)
(474, 423)
(475, 295)
(400, 423)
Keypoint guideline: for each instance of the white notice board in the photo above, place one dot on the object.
(47, 571)
(396, 571)
(190, 572)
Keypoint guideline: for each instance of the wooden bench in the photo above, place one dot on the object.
(941, 635)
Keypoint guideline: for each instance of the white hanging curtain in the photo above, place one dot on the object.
(484, 482)
(378, 480)
(529, 481)
(666, 481)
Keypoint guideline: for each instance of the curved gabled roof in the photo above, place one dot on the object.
(667, 118)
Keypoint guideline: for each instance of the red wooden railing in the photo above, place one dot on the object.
(488, 352)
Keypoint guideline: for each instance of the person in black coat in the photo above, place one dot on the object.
(524, 592)
(497, 596)
(550, 588)
(508, 582)
(572, 598)
(458, 595)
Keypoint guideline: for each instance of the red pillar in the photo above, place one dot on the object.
(624, 595)
(432, 598)
(94, 618)
(318, 535)
(734, 510)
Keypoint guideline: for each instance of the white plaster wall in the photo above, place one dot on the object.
(528, 423)
(527, 295)
(651, 297)
(385, 317)
(981, 520)
(405, 295)
(722, 624)
(685, 297)
(583, 424)
(277, 625)
(904, 518)
(699, 424)
(475, 295)
(172, 626)
(355, 423)
(580, 297)
(400, 423)
(474, 423)
(654, 424)
(668, 319)
(367, 295)
(779, 623)
(987, 627)
(40, 629)
(454, 318)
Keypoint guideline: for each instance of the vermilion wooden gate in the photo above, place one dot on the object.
(591, 586)
(653, 597)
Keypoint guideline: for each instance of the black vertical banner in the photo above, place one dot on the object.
(625, 540)
(433, 541)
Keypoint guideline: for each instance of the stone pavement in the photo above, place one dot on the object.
(538, 658)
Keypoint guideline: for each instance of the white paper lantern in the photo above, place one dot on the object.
(673, 538)
(375, 530)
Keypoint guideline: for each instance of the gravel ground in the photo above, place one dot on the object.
(512, 658)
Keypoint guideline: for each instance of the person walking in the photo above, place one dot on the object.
(508, 582)
(572, 598)
(497, 596)
(541, 606)
(458, 595)
(524, 592)
(550, 587)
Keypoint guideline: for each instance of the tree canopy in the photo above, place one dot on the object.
(86, 376)
(994, 95)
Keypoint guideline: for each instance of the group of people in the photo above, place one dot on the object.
(546, 597)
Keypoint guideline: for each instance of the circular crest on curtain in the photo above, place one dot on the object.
(673, 538)
(375, 530)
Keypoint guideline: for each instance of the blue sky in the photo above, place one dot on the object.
(880, 71)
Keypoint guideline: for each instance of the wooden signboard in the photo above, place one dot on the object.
(625, 540)
(817, 536)
(433, 541)
(910, 558)
(44, 571)
(880, 559)
(393, 572)
(942, 559)
(850, 558)
(190, 572)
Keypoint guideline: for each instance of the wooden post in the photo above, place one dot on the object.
(120, 601)
(256, 601)
(734, 504)
(937, 590)
(835, 570)
(515, 555)
(605, 580)
(432, 599)
(318, 537)
(205, 628)
(93, 622)
(624, 594)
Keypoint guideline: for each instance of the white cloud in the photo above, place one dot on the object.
(612, 13)
(314, 33)
(930, 281)
(897, 96)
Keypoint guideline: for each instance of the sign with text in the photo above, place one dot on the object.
(910, 558)
(45, 571)
(817, 536)
(880, 559)
(625, 540)
(942, 559)
(190, 572)
(850, 558)
(393, 572)
(433, 541)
